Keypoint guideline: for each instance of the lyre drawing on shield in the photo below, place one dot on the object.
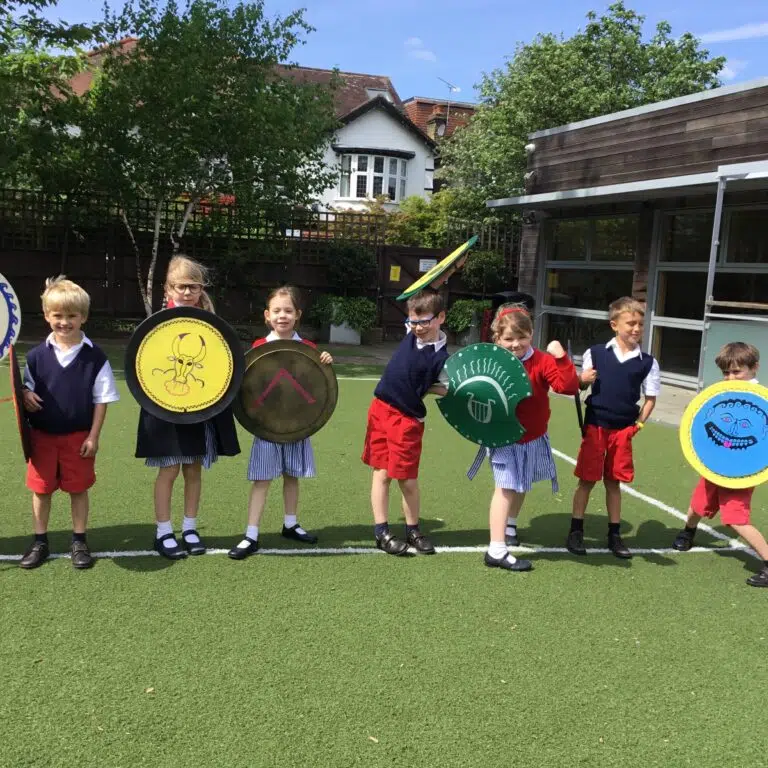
(187, 354)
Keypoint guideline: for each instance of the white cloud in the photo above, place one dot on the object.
(416, 50)
(732, 69)
(745, 32)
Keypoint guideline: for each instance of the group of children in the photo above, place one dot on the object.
(69, 382)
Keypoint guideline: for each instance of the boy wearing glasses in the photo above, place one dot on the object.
(396, 420)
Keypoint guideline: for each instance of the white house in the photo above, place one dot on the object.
(378, 150)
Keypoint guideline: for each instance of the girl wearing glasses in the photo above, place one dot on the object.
(183, 447)
(517, 467)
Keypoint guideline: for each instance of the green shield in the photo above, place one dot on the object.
(486, 382)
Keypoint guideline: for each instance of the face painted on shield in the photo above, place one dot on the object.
(736, 424)
(189, 351)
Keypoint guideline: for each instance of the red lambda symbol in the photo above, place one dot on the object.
(283, 374)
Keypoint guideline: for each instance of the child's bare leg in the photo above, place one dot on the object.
(290, 496)
(79, 503)
(613, 500)
(411, 500)
(502, 504)
(581, 499)
(380, 483)
(166, 477)
(754, 538)
(193, 484)
(41, 512)
(257, 501)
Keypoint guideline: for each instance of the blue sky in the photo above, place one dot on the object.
(416, 42)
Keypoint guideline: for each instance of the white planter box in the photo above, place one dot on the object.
(343, 334)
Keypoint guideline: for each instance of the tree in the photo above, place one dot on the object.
(197, 108)
(552, 81)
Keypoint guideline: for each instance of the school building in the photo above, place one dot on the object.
(667, 202)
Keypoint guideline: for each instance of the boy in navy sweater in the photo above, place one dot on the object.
(68, 382)
(619, 373)
(396, 420)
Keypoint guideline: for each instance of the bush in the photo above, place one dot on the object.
(357, 312)
(320, 313)
(459, 317)
(351, 268)
(484, 272)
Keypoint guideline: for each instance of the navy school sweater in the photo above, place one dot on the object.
(617, 389)
(409, 375)
(67, 393)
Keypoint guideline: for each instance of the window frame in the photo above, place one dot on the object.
(371, 175)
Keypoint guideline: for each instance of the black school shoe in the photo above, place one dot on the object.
(508, 563)
(618, 547)
(193, 547)
(420, 542)
(391, 544)
(575, 543)
(683, 541)
(35, 556)
(511, 539)
(81, 555)
(759, 579)
(240, 553)
(295, 534)
(172, 553)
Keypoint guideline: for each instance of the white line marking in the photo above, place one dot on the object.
(732, 543)
(372, 551)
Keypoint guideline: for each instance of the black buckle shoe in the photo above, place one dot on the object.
(391, 544)
(511, 539)
(295, 534)
(420, 542)
(759, 579)
(575, 543)
(193, 547)
(81, 555)
(508, 563)
(35, 556)
(240, 553)
(683, 541)
(172, 553)
(618, 547)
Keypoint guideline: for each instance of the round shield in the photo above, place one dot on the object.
(486, 382)
(184, 365)
(287, 393)
(724, 434)
(17, 391)
(10, 317)
(441, 271)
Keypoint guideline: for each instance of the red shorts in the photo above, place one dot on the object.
(606, 453)
(393, 441)
(56, 463)
(734, 504)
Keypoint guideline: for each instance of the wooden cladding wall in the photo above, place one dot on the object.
(677, 141)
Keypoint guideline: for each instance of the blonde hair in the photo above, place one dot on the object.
(512, 317)
(625, 304)
(293, 294)
(181, 267)
(66, 296)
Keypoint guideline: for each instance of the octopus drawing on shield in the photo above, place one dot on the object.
(188, 354)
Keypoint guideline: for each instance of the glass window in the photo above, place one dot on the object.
(677, 350)
(378, 165)
(402, 189)
(378, 185)
(362, 186)
(403, 168)
(392, 188)
(362, 163)
(586, 289)
(392, 167)
(740, 286)
(582, 332)
(614, 239)
(569, 239)
(748, 237)
(346, 167)
(688, 237)
(681, 294)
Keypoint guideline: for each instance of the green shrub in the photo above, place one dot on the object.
(357, 312)
(485, 272)
(459, 317)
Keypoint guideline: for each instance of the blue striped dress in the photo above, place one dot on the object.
(518, 466)
(210, 457)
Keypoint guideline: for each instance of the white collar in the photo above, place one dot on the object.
(613, 344)
(528, 355)
(51, 342)
(272, 336)
(754, 381)
(439, 343)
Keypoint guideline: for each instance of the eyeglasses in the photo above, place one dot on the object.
(193, 288)
(422, 322)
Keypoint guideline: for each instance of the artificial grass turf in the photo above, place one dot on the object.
(299, 661)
